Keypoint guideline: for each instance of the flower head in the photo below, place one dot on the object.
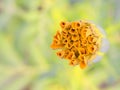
(79, 42)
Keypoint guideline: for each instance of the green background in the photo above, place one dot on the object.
(26, 31)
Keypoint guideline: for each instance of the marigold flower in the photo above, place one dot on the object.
(80, 42)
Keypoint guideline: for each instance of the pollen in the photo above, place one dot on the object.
(77, 42)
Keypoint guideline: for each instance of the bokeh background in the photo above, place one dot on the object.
(28, 63)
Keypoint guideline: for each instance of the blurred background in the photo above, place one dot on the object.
(26, 31)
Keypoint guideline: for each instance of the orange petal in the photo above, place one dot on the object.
(92, 39)
(65, 41)
(61, 53)
(73, 31)
(66, 53)
(70, 56)
(84, 42)
(53, 46)
(82, 50)
(57, 36)
(82, 65)
(78, 24)
(67, 26)
(92, 48)
(75, 37)
(85, 32)
(73, 25)
(64, 33)
(68, 45)
(76, 44)
(63, 24)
